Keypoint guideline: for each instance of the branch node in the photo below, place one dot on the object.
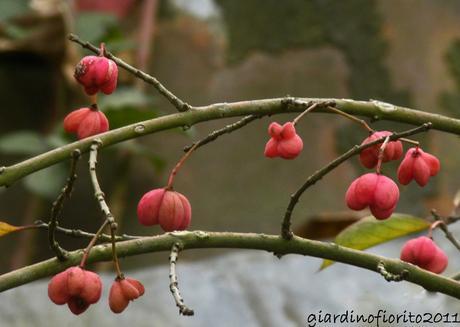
(390, 277)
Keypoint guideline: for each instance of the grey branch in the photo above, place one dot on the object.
(174, 284)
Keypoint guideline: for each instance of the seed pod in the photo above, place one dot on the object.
(284, 141)
(423, 252)
(375, 191)
(168, 208)
(86, 122)
(418, 165)
(77, 287)
(123, 291)
(369, 156)
(97, 73)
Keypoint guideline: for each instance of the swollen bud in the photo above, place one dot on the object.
(168, 208)
(418, 165)
(375, 191)
(423, 252)
(370, 156)
(284, 141)
(97, 73)
(123, 291)
(77, 287)
(86, 122)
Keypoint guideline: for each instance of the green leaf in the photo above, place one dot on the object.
(48, 182)
(369, 232)
(23, 142)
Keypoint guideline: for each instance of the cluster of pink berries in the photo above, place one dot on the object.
(79, 288)
(95, 73)
(373, 190)
(379, 192)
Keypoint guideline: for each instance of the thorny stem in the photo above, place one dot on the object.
(100, 197)
(381, 155)
(179, 164)
(286, 232)
(59, 203)
(310, 108)
(351, 117)
(227, 129)
(174, 284)
(174, 100)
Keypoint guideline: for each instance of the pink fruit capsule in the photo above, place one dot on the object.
(168, 208)
(423, 252)
(284, 141)
(369, 156)
(375, 191)
(417, 165)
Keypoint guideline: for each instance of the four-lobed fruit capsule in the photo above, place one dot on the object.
(423, 252)
(168, 208)
(97, 73)
(86, 122)
(284, 141)
(375, 191)
(370, 156)
(77, 287)
(122, 291)
(418, 165)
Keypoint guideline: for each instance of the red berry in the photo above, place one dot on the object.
(423, 252)
(77, 287)
(97, 73)
(370, 156)
(170, 209)
(284, 141)
(86, 122)
(418, 165)
(375, 191)
(123, 291)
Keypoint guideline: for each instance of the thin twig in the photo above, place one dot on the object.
(351, 117)
(444, 228)
(390, 277)
(225, 130)
(179, 165)
(100, 197)
(311, 180)
(174, 100)
(78, 233)
(58, 204)
(310, 108)
(174, 284)
(381, 154)
(416, 143)
(92, 243)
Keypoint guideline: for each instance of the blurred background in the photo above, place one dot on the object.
(206, 51)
